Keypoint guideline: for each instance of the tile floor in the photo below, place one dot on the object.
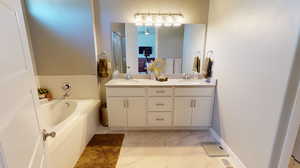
(166, 149)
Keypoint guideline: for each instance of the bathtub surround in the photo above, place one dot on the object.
(101, 152)
(83, 86)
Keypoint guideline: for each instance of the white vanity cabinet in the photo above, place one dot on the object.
(193, 111)
(159, 105)
(126, 107)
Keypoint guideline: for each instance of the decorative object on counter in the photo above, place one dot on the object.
(162, 78)
(157, 66)
(197, 64)
(44, 94)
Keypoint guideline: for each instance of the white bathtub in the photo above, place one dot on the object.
(75, 122)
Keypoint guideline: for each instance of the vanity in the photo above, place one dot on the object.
(149, 104)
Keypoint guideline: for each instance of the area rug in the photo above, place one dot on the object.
(101, 152)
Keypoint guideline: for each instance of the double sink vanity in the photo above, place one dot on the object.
(149, 104)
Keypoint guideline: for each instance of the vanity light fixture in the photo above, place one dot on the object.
(159, 19)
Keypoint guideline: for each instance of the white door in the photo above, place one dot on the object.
(136, 111)
(183, 111)
(202, 112)
(117, 112)
(21, 144)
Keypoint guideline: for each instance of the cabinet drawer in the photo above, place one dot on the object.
(160, 104)
(205, 91)
(159, 119)
(125, 91)
(160, 91)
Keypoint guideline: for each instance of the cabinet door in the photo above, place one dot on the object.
(136, 110)
(183, 111)
(117, 112)
(202, 112)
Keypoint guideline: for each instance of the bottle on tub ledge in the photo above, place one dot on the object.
(44, 94)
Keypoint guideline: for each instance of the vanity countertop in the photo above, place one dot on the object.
(170, 82)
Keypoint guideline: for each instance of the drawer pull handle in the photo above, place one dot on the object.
(160, 119)
(159, 104)
(160, 91)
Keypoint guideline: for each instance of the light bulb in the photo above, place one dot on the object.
(177, 24)
(158, 21)
(169, 19)
(138, 18)
(139, 24)
(158, 24)
(179, 18)
(149, 18)
(148, 24)
(168, 24)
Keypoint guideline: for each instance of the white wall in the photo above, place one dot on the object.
(194, 11)
(62, 36)
(254, 44)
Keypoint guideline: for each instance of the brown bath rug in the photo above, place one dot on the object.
(101, 152)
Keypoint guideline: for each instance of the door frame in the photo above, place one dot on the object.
(291, 132)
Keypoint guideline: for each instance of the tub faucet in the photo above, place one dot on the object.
(67, 88)
(67, 94)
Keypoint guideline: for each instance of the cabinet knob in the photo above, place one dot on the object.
(159, 119)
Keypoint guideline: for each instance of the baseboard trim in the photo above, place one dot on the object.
(234, 158)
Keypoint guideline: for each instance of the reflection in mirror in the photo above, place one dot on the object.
(134, 47)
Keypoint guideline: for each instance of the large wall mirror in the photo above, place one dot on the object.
(134, 47)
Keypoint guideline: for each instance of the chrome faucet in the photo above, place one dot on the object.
(186, 76)
(128, 76)
(67, 88)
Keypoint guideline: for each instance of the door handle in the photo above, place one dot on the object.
(194, 105)
(191, 105)
(46, 134)
(127, 103)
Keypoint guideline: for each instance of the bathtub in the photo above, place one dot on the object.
(75, 122)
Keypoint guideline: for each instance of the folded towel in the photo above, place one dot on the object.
(205, 66)
(197, 64)
(104, 68)
(195, 67)
(209, 68)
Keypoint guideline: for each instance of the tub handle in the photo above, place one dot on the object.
(47, 134)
